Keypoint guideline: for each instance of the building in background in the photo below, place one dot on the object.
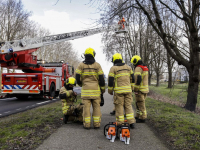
(106, 80)
(184, 75)
(179, 75)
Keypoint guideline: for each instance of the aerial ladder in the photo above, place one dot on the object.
(17, 54)
(38, 79)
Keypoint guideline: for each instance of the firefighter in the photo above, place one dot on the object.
(119, 79)
(67, 95)
(90, 77)
(140, 88)
(121, 23)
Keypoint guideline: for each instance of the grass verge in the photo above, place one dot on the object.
(178, 93)
(179, 127)
(28, 129)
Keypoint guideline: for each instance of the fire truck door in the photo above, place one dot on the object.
(47, 83)
(65, 75)
(58, 83)
(72, 70)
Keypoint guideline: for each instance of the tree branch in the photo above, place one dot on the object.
(149, 18)
(56, 3)
(169, 45)
(182, 9)
(171, 10)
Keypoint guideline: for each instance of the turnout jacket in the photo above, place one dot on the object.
(120, 79)
(141, 79)
(91, 78)
(66, 96)
(67, 99)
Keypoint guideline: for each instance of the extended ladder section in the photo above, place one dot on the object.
(35, 43)
(51, 64)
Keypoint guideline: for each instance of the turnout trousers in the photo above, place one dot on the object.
(123, 102)
(141, 112)
(73, 111)
(96, 112)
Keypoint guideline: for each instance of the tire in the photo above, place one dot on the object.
(37, 96)
(57, 94)
(52, 91)
(22, 97)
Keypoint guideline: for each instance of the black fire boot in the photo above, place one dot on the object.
(132, 125)
(112, 112)
(88, 128)
(140, 121)
(65, 119)
(96, 127)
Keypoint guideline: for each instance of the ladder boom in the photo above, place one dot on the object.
(17, 54)
(26, 44)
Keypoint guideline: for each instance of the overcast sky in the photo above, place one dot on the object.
(68, 16)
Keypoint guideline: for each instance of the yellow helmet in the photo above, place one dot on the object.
(71, 80)
(135, 59)
(90, 51)
(116, 56)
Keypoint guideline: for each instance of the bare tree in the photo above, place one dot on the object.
(13, 20)
(187, 14)
(158, 60)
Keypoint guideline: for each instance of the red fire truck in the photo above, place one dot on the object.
(45, 83)
(38, 79)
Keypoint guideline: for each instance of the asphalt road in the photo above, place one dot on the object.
(13, 105)
(74, 137)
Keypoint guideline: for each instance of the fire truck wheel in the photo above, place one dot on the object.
(57, 94)
(52, 90)
(22, 97)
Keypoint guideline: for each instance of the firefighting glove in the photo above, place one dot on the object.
(102, 100)
(62, 96)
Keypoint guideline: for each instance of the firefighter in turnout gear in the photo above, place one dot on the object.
(67, 95)
(121, 79)
(90, 76)
(121, 23)
(140, 88)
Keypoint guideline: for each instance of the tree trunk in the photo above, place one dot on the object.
(169, 66)
(149, 80)
(157, 76)
(169, 77)
(192, 93)
(193, 71)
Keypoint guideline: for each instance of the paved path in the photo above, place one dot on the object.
(74, 137)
